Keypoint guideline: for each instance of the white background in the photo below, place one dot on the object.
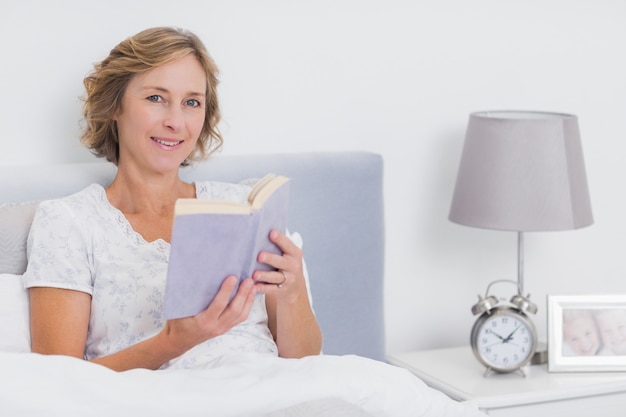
(394, 77)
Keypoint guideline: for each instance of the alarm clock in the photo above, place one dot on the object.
(503, 338)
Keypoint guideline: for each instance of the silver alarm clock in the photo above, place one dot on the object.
(503, 338)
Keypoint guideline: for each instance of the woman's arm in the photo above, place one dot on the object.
(59, 323)
(60, 320)
(290, 316)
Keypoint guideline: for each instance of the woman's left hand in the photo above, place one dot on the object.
(287, 281)
(290, 316)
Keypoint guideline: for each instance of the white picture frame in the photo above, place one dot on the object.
(572, 344)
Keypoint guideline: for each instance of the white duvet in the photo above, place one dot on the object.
(37, 385)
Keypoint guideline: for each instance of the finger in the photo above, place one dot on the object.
(282, 241)
(272, 259)
(287, 261)
(222, 298)
(250, 300)
(240, 303)
(223, 314)
(263, 288)
(284, 281)
(269, 277)
(279, 280)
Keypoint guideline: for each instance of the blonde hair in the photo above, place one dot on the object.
(106, 84)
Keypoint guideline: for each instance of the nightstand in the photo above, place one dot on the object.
(457, 373)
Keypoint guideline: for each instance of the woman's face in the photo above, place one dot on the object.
(163, 111)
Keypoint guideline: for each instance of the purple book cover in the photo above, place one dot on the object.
(208, 247)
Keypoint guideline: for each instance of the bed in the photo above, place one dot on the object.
(336, 206)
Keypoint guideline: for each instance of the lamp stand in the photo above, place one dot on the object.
(520, 262)
(541, 353)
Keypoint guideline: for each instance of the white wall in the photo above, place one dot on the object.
(389, 76)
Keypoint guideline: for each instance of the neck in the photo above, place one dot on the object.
(133, 194)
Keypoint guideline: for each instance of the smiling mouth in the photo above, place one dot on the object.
(167, 142)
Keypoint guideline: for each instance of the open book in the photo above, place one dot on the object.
(212, 239)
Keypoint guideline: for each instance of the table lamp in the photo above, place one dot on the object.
(522, 171)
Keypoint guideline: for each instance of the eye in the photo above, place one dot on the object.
(193, 103)
(156, 98)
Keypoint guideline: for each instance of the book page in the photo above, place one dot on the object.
(264, 189)
(198, 206)
(259, 185)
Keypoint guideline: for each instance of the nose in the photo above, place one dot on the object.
(174, 118)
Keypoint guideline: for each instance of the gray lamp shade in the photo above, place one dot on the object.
(522, 171)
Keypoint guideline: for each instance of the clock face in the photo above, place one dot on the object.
(503, 339)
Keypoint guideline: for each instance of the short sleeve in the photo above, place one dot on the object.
(57, 249)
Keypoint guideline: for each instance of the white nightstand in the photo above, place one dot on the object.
(456, 372)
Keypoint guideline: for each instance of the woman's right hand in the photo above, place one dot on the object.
(220, 316)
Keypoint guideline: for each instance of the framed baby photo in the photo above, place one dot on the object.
(587, 333)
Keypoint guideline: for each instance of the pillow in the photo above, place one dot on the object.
(15, 221)
(14, 314)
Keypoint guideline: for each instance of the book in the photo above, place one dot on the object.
(212, 239)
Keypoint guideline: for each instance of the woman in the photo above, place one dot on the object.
(98, 259)
(98, 262)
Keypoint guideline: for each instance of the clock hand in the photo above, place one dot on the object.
(497, 335)
(510, 336)
(508, 342)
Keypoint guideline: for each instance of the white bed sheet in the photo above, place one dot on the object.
(38, 385)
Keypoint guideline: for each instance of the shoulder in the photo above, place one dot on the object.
(83, 201)
(215, 190)
(88, 195)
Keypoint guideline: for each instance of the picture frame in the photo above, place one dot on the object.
(587, 333)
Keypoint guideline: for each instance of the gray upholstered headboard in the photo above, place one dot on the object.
(336, 205)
